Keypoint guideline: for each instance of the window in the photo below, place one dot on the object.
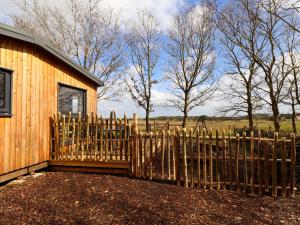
(71, 99)
(5, 92)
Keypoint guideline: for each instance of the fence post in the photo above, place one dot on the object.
(78, 136)
(56, 137)
(185, 174)
(198, 158)
(169, 153)
(217, 160)
(293, 165)
(191, 156)
(177, 150)
(211, 172)
(101, 138)
(73, 138)
(63, 136)
(87, 135)
(162, 145)
(173, 154)
(224, 177)
(68, 134)
(230, 159)
(252, 161)
(237, 158)
(204, 158)
(283, 166)
(274, 166)
(151, 155)
(259, 164)
(245, 162)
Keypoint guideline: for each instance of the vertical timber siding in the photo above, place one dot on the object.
(25, 137)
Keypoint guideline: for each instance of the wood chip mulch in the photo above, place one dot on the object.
(75, 198)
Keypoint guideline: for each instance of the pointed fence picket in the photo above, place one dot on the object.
(197, 159)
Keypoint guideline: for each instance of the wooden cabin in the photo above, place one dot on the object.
(36, 81)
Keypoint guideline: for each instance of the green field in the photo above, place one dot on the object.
(262, 124)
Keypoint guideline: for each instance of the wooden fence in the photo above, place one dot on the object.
(90, 138)
(193, 159)
(248, 164)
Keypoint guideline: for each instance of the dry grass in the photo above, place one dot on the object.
(266, 125)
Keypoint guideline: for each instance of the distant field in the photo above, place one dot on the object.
(286, 125)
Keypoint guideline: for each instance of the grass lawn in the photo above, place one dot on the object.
(75, 198)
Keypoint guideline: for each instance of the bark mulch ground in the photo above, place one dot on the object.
(74, 198)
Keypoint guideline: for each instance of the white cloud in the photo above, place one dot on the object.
(162, 9)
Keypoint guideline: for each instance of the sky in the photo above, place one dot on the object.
(163, 10)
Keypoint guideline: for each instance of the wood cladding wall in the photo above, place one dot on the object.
(25, 137)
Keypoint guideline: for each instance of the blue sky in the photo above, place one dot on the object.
(163, 10)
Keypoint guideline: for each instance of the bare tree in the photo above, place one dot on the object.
(87, 33)
(264, 44)
(240, 94)
(144, 41)
(286, 11)
(191, 59)
(292, 39)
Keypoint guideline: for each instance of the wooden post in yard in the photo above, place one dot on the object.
(169, 153)
(140, 154)
(185, 174)
(151, 155)
(224, 177)
(162, 148)
(245, 162)
(56, 138)
(68, 134)
(293, 165)
(259, 164)
(211, 172)
(274, 166)
(73, 138)
(217, 160)
(101, 139)
(230, 159)
(204, 158)
(252, 161)
(87, 134)
(96, 137)
(79, 136)
(283, 166)
(177, 155)
(63, 137)
(198, 158)
(191, 156)
(125, 137)
(173, 154)
(237, 158)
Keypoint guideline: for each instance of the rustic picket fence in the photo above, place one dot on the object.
(203, 160)
(90, 138)
(200, 159)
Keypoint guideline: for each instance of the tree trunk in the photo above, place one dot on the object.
(294, 116)
(250, 109)
(147, 120)
(275, 116)
(185, 110)
(185, 116)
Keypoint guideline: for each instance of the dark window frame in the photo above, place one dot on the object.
(59, 84)
(6, 111)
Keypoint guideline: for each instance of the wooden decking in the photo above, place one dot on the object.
(110, 167)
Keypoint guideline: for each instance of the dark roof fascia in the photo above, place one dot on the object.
(18, 34)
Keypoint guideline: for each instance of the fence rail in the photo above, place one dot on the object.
(197, 159)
